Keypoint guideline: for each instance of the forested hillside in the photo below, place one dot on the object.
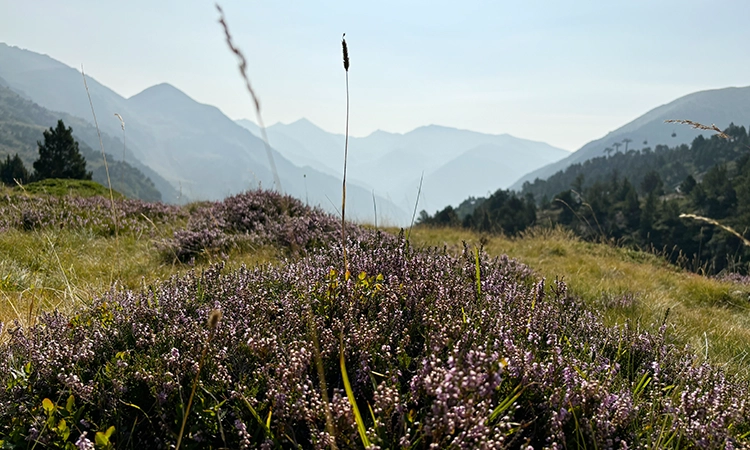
(672, 164)
(637, 199)
(22, 123)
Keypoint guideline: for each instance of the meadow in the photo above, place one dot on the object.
(260, 322)
(234, 324)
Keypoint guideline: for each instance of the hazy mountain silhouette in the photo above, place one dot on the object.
(456, 163)
(197, 149)
(717, 106)
(22, 123)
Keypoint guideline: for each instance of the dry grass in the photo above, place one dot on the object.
(64, 270)
(700, 126)
(256, 102)
(713, 317)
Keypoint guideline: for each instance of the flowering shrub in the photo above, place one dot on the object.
(92, 213)
(255, 217)
(440, 351)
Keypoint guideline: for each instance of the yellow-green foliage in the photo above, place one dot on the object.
(48, 269)
(55, 186)
(713, 317)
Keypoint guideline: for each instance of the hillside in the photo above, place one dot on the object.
(202, 153)
(22, 123)
(672, 164)
(524, 359)
(689, 204)
(718, 106)
(456, 163)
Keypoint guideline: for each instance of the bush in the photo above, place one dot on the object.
(258, 218)
(441, 351)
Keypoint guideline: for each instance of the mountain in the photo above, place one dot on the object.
(717, 106)
(22, 123)
(669, 168)
(456, 163)
(199, 151)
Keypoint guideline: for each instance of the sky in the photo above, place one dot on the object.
(560, 72)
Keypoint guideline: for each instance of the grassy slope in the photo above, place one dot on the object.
(59, 187)
(46, 269)
(712, 316)
(60, 268)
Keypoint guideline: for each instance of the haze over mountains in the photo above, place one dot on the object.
(201, 153)
(456, 163)
(22, 123)
(716, 106)
(192, 151)
(195, 152)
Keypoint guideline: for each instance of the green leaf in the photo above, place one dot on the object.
(350, 395)
(71, 404)
(48, 406)
(62, 429)
(507, 403)
(101, 439)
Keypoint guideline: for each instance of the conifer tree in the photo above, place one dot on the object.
(59, 156)
(12, 170)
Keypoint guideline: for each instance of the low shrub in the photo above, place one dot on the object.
(440, 351)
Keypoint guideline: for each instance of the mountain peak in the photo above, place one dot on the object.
(160, 90)
(303, 124)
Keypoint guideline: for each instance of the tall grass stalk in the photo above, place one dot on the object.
(726, 228)
(700, 126)
(256, 102)
(62, 271)
(416, 203)
(101, 145)
(345, 51)
(122, 172)
(375, 209)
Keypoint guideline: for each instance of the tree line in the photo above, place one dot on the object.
(635, 199)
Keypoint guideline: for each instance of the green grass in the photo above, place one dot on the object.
(63, 269)
(60, 187)
(701, 310)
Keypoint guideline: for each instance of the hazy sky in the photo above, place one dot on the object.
(560, 72)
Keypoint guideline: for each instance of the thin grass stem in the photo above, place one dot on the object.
(256, 102)
(416, 203)
(345, 50)
(104, 155)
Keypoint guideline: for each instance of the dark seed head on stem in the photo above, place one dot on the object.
(346, 52)
(214, 317)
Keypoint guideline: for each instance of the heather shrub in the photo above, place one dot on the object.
(94, 213)
(254, 218)
(441, 351)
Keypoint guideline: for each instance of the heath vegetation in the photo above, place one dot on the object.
(260, 322)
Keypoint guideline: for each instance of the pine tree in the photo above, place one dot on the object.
(12, 170)
(59, 156)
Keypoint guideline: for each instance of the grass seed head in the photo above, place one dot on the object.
(346, 52)
(700, 126)
(214, 317)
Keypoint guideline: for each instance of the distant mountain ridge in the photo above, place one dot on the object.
(716, 106)
(456, 163)
(22, 123)
(202, 153)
